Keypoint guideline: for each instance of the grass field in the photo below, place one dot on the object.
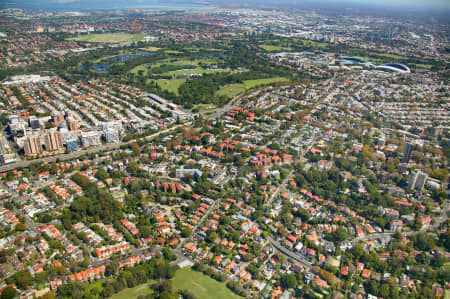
(142, 289)
(201, 285)
(424, 66)
(231, 90)
(391, 56)
(249, 84)
(173, 61)
(170, 85)
(196, 71)
(271, 48)
(204, 107)
(109, 38)
(173, 52)
(314, 43)
(151, 49)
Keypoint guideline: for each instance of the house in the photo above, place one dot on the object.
(365, 274)
(396, 225)
(424, 220)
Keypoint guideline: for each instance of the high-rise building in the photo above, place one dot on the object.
(34, 123)
(72, 124)
(53, 141)
(14, 119)
(32, 145)
(72, 145)
(417, 180)
(111, 135)
(407, 153)
(57, 117)
(90, 138)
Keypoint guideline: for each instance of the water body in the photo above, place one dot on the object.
(98, 67)
(122, 58)
(102, 67)
(145, 53)
(84, 5)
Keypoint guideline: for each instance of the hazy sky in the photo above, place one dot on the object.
(409, 3)
(443, 5)
(439, 4)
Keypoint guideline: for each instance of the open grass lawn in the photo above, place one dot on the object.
(182, 61)
(314, 43)
(231, 90)
(201, 285)
(424, 66)
(196, 71)
(173, 52)
(151, 49)
(249, 84)
(392, 56)
(142, 289)
(170, 85)
(271, 48)
(98, 285)
(142, 67)
(174, 61)
(110, 38)
(204, 107)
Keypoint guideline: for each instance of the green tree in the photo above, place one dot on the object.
(289, 281)
(9, 293)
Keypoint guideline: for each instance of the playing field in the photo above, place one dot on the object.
(174, 61)
(142, 289)
(307, 42)
(173, 52)
(201, 285)
(194, 72)
(391, 56)
(110, 38)
(231, 90)
(249, 84)
(170, 85)
(151, 49)
(272, 48)
(204, 107)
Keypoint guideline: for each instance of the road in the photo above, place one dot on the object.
(438, 221)
(225, 109)
(205, 216)
(297, 257)
(76, 154)
(290, 175)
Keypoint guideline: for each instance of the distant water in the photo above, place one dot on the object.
(81, 5)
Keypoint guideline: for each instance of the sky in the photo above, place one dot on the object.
(418, 4)
(71, 4)
(407, 3)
